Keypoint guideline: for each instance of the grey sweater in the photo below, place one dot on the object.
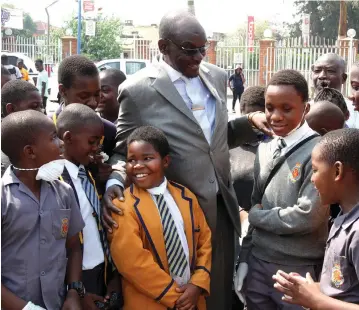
(292, 227)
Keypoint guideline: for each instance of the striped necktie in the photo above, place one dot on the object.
(280, 145)
(92, 197)
(176, 257)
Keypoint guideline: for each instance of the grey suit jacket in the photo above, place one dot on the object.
(150, 98)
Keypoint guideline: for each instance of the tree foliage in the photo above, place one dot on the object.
(324, 17)
(104, 45)
(29, 24)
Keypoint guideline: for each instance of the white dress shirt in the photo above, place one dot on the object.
(177, 218)
(92, 248)
(293, 139)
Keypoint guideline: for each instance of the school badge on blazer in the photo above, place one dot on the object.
(337, 276)
(295, 173)
(64, 227)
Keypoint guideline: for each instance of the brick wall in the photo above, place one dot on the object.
(266, 60)
(211, 52)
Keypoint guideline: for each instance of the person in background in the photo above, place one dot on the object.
(5, 76)
(324, 116)
(333, 96)
(42, 82)
(24, 72)
(335, 161)
(354, 84)
(14, 71)
(17, 95)
(162, 247)
(40, 219)
(236, 84)
(329, 71)
(110, 80)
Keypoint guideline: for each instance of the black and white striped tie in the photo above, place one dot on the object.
(280, 145)
(177, 261)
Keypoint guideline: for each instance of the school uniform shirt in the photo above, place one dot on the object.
(177, 218)
(25, 74)
(33, 239)
(340, 274)
(93, 254)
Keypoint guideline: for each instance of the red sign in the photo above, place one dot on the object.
(250, 34)
(89, 6)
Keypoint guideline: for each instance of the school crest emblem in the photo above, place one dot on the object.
(295, 173)
(337, 276)
(64, 227)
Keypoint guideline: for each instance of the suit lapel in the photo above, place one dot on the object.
(165, 87)
(184, 204)
(207, 79)
(150, 219)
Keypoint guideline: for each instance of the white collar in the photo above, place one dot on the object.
(173, 74)
(159, 190)
(298, 134)
(72, 169)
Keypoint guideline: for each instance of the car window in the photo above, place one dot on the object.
(116, 65)
(134, 66)
(12, 60)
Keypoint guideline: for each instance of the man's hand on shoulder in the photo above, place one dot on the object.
(114, 191)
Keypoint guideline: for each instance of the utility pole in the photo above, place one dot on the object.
(342, 30)
(190, 4)
(79, 20)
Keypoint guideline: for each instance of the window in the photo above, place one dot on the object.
(134, 66)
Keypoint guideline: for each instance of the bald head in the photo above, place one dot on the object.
(329, 71)
(178, 23)
(325, 116)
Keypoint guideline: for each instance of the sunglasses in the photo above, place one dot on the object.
(192, 51)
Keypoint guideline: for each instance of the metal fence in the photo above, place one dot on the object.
(34, 47)
(234, 52)
(293, 54)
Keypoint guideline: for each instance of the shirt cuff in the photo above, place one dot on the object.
(111, 182)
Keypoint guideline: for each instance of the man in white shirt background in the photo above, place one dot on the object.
(329, 71)
(42, 82)
(14, 71)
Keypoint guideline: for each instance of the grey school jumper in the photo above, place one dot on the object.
(291, 229)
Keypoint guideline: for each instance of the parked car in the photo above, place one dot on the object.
(29, 64)
(127, 66)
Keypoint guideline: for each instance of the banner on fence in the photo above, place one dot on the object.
(250, 34)
(12, 18)
(90, 27)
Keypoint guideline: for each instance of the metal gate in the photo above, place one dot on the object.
(293, 54)
(234, 52)
(34, 48)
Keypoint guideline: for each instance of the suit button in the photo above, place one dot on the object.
(42, 273)
(42, 241)
(199, 130)
(211, 180)
(41, 213)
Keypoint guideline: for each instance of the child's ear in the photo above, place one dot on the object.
(62, 91)
(10, 108)
(339, 171)
(67, 137)
(166, 161)
(307, 108)
(29, 152)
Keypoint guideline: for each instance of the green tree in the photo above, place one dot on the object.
(29, 24)
(104, 45)
(324, 17)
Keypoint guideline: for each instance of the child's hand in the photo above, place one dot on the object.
(189, 298)
(296, 289)
(72, 301)
(88, 301)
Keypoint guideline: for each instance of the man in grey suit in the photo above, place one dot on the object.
(186, 98)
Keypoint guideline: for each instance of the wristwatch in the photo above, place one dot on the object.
(78, 287)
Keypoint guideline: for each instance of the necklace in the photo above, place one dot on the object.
(24, 169)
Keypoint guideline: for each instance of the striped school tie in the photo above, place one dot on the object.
(91, 195)
(176, 256)
(280, 145)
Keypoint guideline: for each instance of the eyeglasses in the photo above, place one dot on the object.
(192, 51)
